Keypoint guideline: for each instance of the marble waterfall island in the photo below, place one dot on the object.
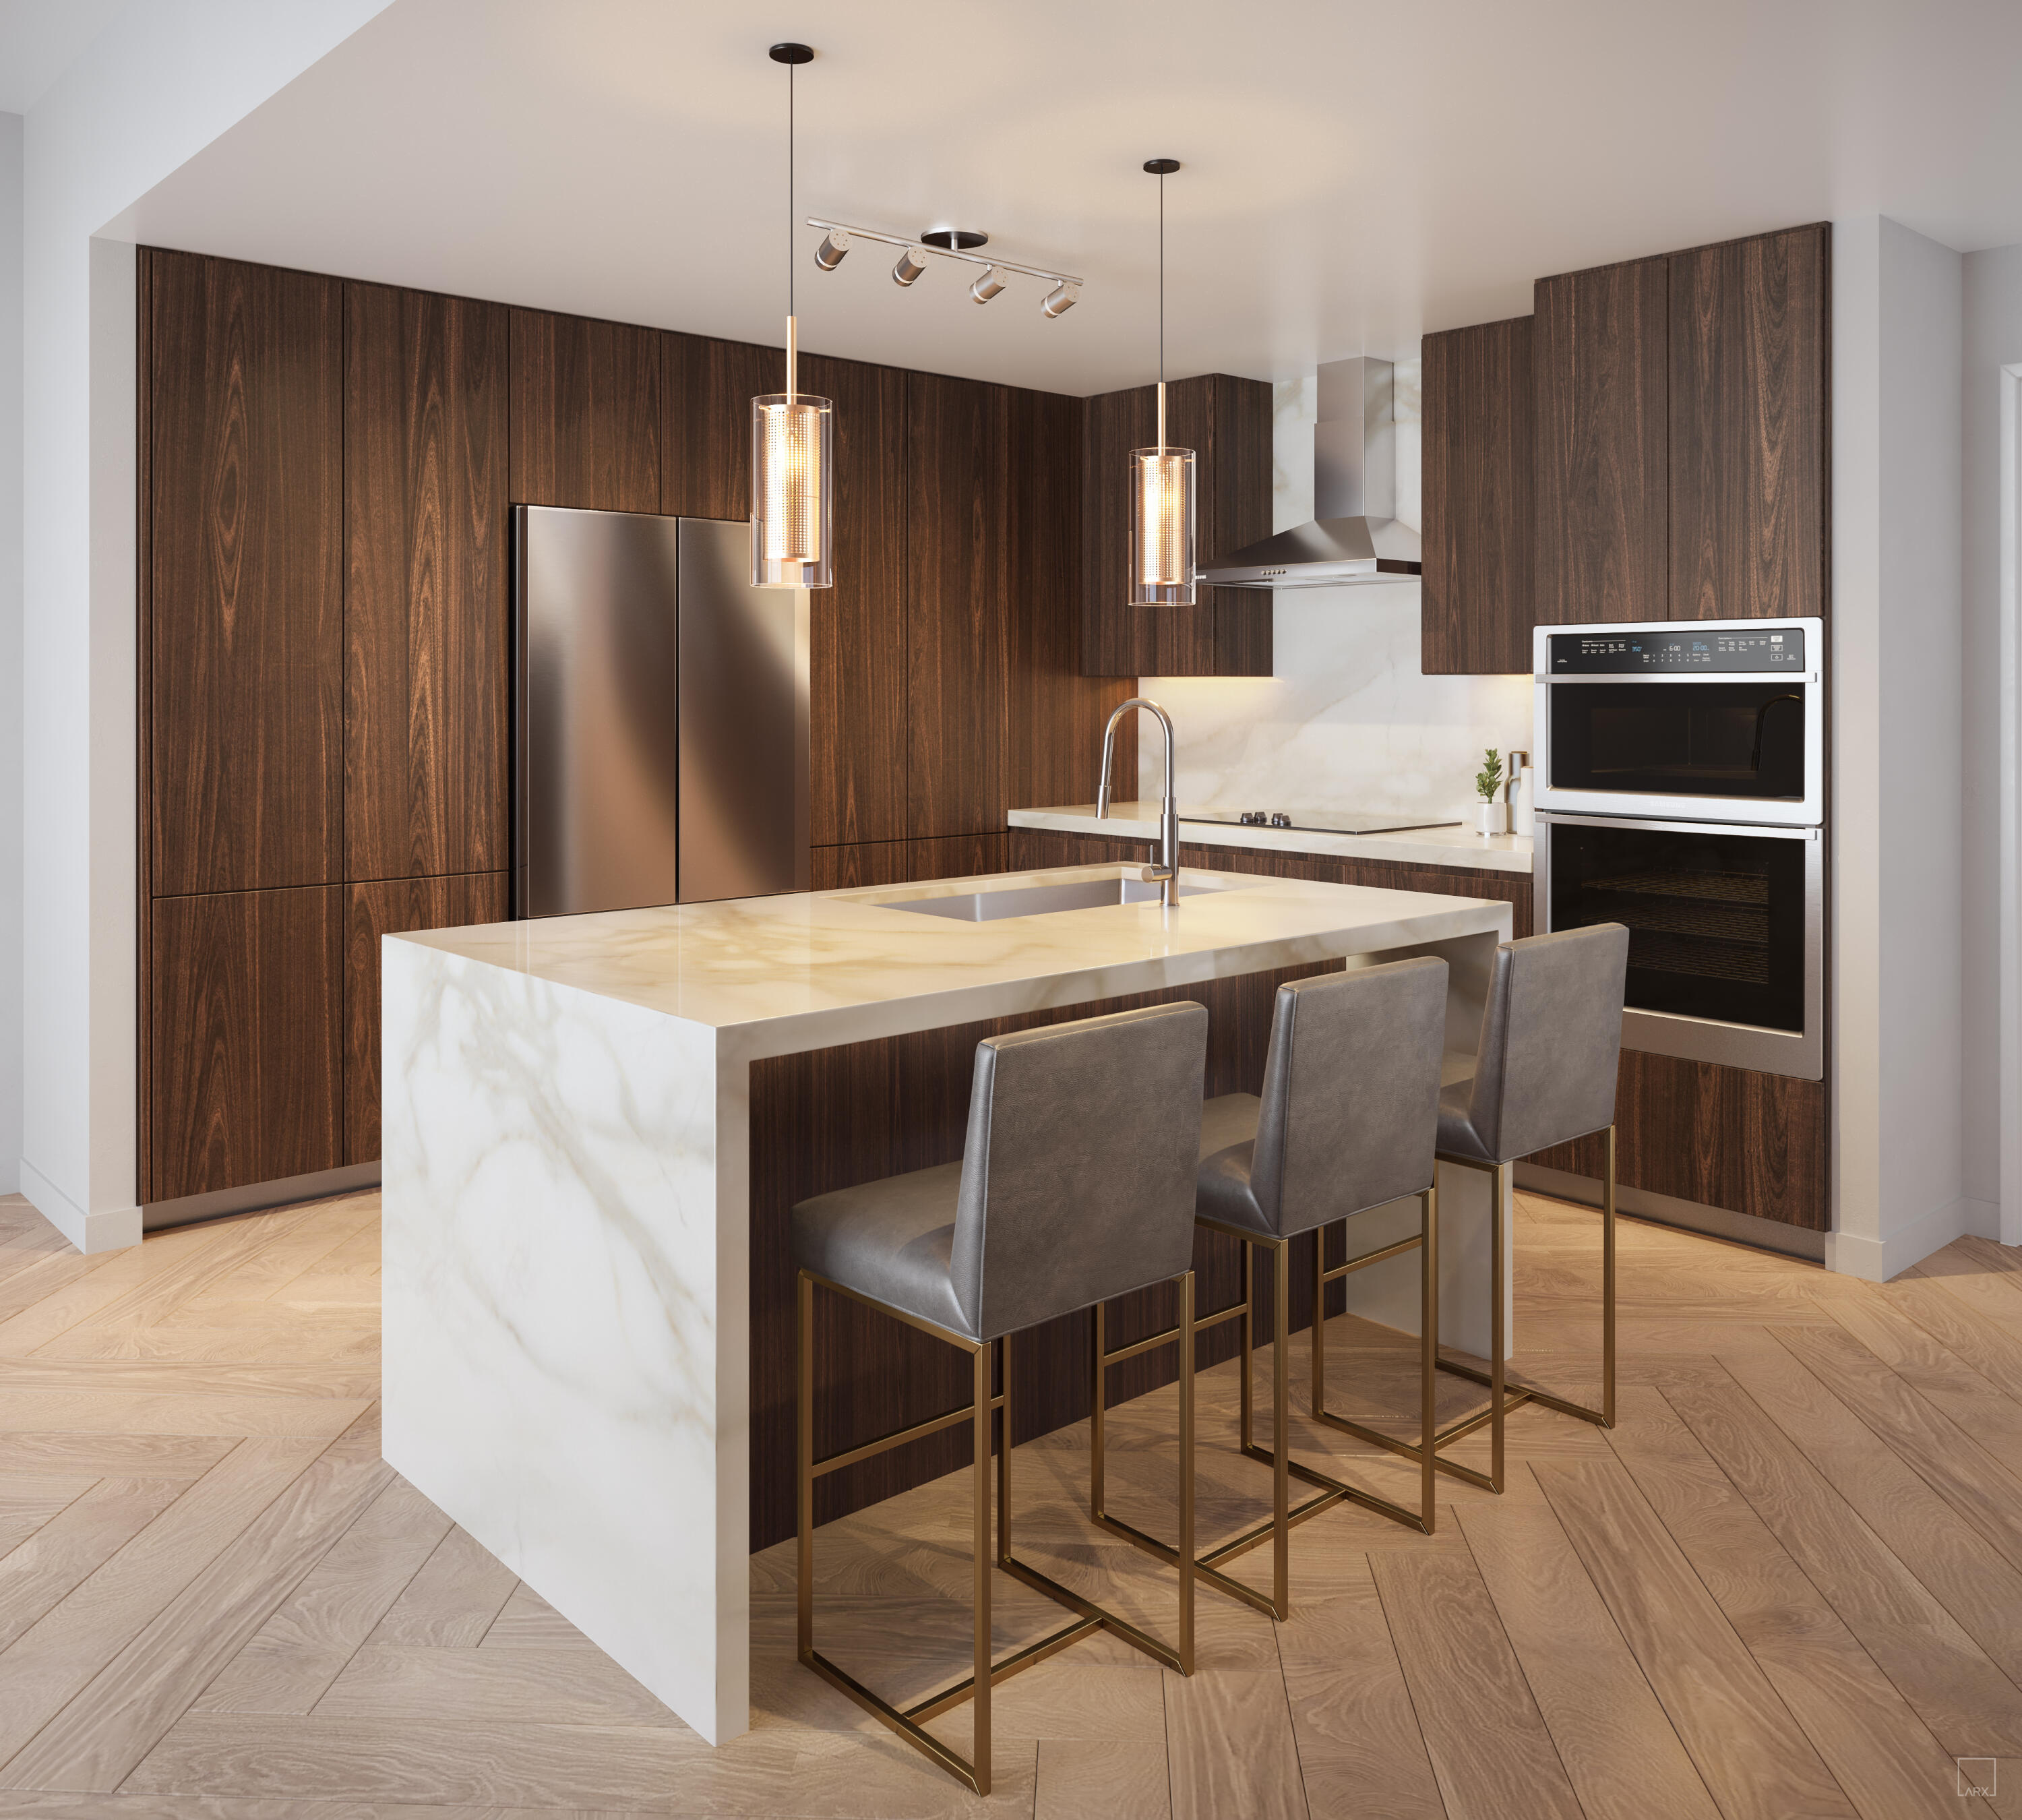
(568, 1180)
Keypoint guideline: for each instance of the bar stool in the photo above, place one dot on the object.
(1345, 1123)
(1075, 1185)
(1544, 1074)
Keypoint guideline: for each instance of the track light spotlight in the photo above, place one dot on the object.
(1060, 299)
(987, 285)
(912, 262)
(828, 255)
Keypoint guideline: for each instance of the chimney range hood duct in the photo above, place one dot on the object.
(1354, 535)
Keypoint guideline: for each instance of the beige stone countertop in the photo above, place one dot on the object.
(1452, 845)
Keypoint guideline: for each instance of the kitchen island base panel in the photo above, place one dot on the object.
(565, 1308)
(568, 1196)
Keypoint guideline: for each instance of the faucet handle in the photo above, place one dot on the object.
(1153, 875)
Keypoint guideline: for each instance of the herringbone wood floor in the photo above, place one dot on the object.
(1789, 1584)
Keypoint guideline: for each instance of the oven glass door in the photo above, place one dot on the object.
(1743, 740)
(1715, 915)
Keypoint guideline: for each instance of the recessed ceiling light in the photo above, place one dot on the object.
(955, 240)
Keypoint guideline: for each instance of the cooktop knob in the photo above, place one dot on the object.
(1280, 819)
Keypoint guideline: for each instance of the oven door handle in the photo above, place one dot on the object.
(1746, 831)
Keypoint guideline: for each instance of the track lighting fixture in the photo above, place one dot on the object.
(793, 439)
(946, 243)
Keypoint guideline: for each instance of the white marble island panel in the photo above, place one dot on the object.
(566, 1195)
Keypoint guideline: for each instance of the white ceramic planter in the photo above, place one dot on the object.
(1491, 817)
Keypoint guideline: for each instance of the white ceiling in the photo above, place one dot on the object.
(1356, 174)
(39, 39)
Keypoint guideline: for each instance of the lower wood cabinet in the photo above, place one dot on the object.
(243, 1040)
(905, 862)
(392, 906)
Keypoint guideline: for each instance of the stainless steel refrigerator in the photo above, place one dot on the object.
(660, 715)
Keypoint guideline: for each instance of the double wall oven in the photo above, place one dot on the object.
(1681, 790)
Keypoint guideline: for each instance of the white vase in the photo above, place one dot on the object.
(1491, 817)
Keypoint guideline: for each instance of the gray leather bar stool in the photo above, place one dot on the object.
(1345, 1123)
(1544, 1074)
(1076, 1184)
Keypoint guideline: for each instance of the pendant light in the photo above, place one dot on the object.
(1161, 479)
(793, 439)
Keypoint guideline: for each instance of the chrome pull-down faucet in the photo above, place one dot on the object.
(1166, 873)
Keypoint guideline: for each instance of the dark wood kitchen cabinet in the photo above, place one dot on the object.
(1227, 632)
(427, 612)
(242, 576)
(1601, 367)
(586, 425)
(1480, 510)
(1751, 339)
(242, 1040)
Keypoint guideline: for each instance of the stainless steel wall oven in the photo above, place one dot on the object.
(1681, 791)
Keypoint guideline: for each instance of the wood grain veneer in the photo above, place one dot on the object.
(1601, 365)
(1480, 500)
(390, 907)
(427, 614)
(246, 1079)
(586, 422)
(1750, 340)
(244, 759)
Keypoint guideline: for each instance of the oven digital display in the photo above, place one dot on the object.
(1680, 653)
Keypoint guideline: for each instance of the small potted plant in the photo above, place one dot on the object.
(1491, 814)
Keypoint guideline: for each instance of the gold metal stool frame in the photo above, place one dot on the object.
(909, 1722)
(1502, 1396)
(1285, 1516)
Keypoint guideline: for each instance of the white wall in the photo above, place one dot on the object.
(10, 652)
(1993, 339)
(155, 87)
(1347, 720)
(1898, 645)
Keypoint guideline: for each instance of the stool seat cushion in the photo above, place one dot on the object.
(892, 1241)
(1223, 1188)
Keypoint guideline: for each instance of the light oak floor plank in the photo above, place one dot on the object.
(453, 1599)
(74, 1544)
(1229, 1732)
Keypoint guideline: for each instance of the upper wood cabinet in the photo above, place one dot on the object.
(1602, 375)
(1227, 632)
(586, 424)
(1481, 515)
(1679, 464)
(427, 631)
(1751, 338)
(242, 577)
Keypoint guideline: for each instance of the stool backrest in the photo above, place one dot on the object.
(1551, 1040)
(1077, 1172)
(1351, 1095)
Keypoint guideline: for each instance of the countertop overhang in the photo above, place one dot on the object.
(774, 975)
(1451, 845)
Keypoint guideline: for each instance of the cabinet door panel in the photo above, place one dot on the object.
(426, 608)
(245, 1010)
(1749, 482)
(389, 908)
(871, 862)
(245, 588)
(959, 604)
(1480, 509)
(586, 413)
(1602, 361)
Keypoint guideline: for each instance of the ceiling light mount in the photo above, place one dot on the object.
(1161, 167)
(914, 250)
(791, 54)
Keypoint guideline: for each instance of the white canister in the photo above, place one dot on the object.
(1523, 805)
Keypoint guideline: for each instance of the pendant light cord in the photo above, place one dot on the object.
(1161, 313)
(793, 352)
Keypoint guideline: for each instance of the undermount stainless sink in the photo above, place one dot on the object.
(1046, 900)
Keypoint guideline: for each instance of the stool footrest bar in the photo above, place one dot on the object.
(899, 1437)
(1334, 1271)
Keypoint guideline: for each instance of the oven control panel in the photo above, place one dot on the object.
(1683, 652)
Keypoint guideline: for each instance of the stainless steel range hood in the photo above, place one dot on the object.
(1354, 535)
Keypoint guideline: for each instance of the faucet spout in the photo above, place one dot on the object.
(1166, 873)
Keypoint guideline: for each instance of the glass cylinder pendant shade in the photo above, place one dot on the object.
(793, 491)
(1161, 526)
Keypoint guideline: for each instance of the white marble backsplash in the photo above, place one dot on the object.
(1348, 721)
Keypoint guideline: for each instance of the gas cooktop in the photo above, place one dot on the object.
(1312, 820)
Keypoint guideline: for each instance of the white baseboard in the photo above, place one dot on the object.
(111, 1231)
(1878, 1260)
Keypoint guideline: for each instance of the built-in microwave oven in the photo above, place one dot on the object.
(1698, 720)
